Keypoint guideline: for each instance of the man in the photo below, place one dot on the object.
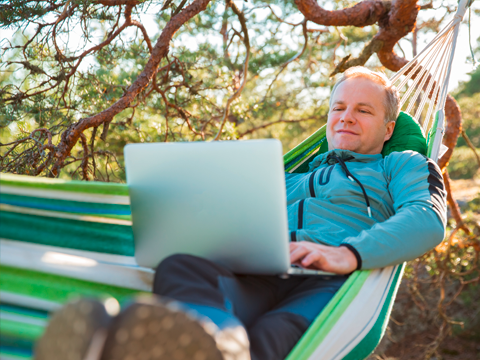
(353, 210)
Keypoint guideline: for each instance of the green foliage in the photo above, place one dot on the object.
(204, 67)
(51, 82)
(474, 205)
(470, 106)
(471, 87)
(463, 164)
(14, 11)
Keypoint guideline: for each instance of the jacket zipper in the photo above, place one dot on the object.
(300, 214)
(310, 184)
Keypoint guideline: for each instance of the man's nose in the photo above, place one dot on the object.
(348, 116)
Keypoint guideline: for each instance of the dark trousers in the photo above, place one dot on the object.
(275, 312)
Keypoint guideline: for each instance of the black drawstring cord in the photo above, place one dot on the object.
(352, 178)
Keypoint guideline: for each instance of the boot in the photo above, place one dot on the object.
(77, 331)
(155, 329)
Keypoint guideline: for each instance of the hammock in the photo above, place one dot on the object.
(58, 241)
(62, 239)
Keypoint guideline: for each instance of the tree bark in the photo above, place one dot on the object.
(401, 21)
(453, 129)
(362, 14)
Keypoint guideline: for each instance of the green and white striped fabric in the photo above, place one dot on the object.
(58, 240)
(63, 239)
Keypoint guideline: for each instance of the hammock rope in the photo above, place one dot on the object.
(424, 80)
(474, 61)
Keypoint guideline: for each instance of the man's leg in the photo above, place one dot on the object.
(228, 299)
(275, 333)
(194, 292)
(232, 302)
(216, 292)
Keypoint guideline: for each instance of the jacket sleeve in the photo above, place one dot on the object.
(419, 200)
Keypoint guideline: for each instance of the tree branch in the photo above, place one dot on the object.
(119, 2)
(144, 32)
(179, 8)
(427, 6)
(456, 214)
(293, 58)
(128, 22)
(471, 146)
(70, 136)
(401, 21)
(246, 41)
(395, 19)
(281, 20)
(372, 47)
(84, 163)
(62, 17)
(362, 14)
(453, 118)
(263, 126)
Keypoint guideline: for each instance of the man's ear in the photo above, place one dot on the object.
(390, 126)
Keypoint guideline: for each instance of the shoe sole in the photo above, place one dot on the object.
(75, 332)
(150, 329)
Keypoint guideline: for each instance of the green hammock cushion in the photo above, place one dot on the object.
(408, 135)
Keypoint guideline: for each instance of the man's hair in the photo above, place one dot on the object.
(392, 97)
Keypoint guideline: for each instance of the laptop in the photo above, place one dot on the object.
(223, 201)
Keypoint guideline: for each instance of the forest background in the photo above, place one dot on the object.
(77, 83)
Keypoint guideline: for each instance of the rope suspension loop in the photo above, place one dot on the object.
(423, 82)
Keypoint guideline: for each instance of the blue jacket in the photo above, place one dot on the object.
(406, 194)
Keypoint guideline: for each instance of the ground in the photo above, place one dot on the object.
(465, 190)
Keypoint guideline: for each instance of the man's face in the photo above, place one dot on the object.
(356, 117)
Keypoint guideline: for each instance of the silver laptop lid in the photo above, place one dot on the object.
(224, 201)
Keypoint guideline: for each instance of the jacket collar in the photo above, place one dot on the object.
(346, 155)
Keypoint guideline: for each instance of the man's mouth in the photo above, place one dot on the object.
(345, 131)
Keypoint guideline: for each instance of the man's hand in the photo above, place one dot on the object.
(338, 260)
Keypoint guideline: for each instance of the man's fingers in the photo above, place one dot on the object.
(314, 257)
(339, 260)
(297, 254)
